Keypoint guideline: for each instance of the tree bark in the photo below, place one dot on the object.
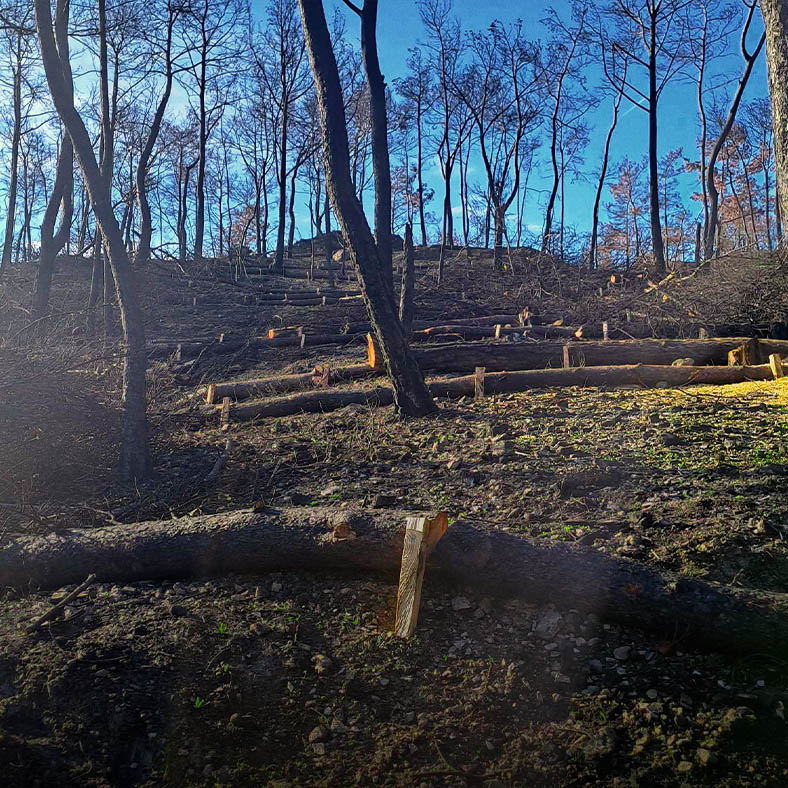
(647, 376)
(146, 224)
(411, 395)
(657, 243)
(16, 137)
(524, 355)
(408, 282)
(380, 144)
(134, 461)
(711, 192)
(708, 615)
(775, 17)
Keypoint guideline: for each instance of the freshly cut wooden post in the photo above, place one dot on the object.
(421, 535)
(478, 389)
(776, 363)
(566, 360)
(373, 353)
(210, 394)
(703, 333)
(498, 330)
(605, 331)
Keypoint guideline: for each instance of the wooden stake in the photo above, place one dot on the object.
(210, 394)
(421, 535)
(478, 389)
(373, 354)
(776, 363)
(605, 335)
(567, 361)
(703, 333)
(497, 330)
(224, 415)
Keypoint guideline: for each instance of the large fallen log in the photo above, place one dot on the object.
(537, 355)
(191, 349)
(506, 383)
(617, 590)
(260, 387)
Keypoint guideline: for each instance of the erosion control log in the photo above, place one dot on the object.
(261, 387)
(321, 539)
(507, 382)
(538, 355)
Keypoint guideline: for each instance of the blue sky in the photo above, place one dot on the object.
(399, 27)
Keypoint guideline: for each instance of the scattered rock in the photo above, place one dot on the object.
(460, 603)
(622, 653)
(319, 733)
(381, 501)
(547, 625)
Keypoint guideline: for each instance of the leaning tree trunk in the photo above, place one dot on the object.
(146, 224)
(775, 17)
(411, 394)
(726, 618)
(52, 242)
(134, 461)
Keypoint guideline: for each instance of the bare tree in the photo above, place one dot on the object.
(749, 57)
(650, 36)
(135, 460)
(411, 395)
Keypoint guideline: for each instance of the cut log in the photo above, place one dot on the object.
(617, 590)
(776, 363)
(538, 355)
(508, 383)
(261, 387)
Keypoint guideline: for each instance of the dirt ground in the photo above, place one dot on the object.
(294, 679)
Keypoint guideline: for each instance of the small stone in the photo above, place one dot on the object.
(381, 501)
(319, 733)
(460, 603)
(332, 489)
(652, 694)
(706, 757)
(337, 726)
(547, 625)
(177, 611)
(684, 767)
(276, 586)
(622, 653)
(319, 748)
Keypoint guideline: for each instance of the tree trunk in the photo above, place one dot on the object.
(16, 137)
(52, 242)
(592, 253)
(408, 282)
(525, 355)
(411, 394)
(380, 144)
(146, 225)
(730, 619)
(134, 463)
(279, 255)
(775, 17)
(657, 243)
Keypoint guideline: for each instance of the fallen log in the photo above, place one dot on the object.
(646, 376)
(538, 355)
(617, 590)
(191, 349)
(260, 387)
